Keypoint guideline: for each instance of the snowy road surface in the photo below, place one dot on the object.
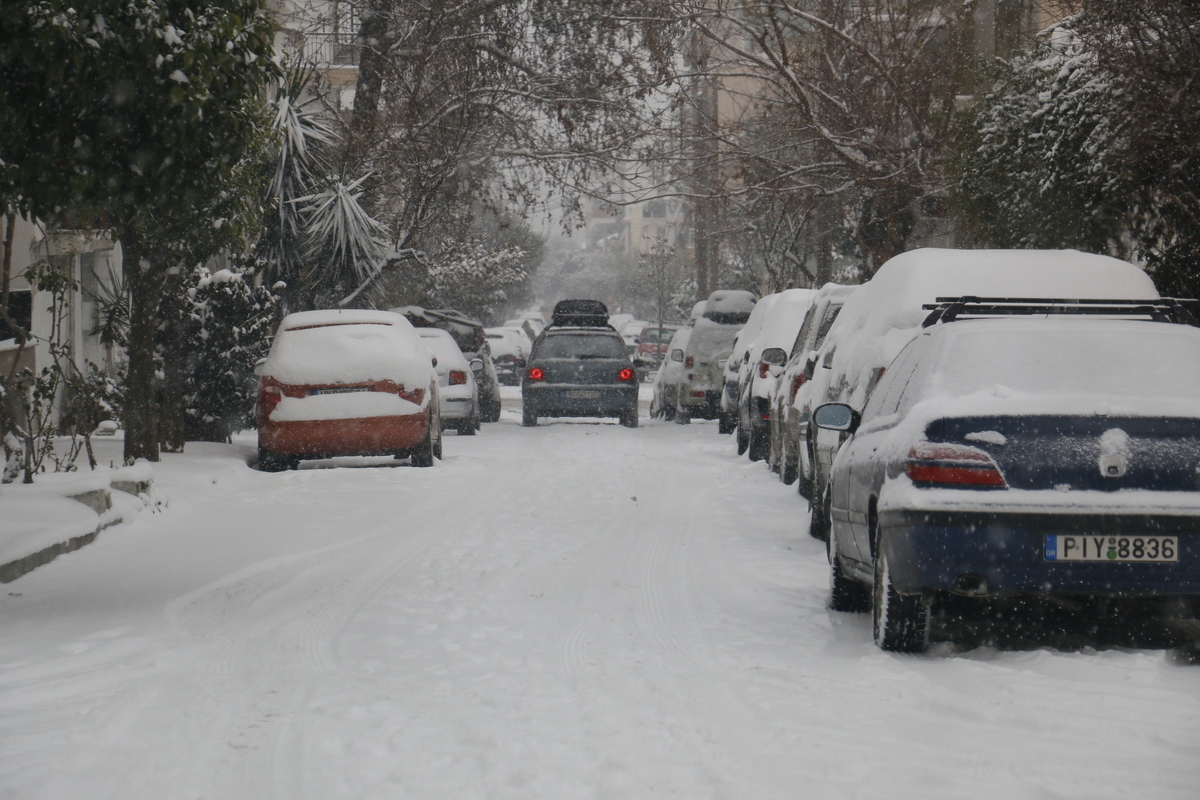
(573, 611)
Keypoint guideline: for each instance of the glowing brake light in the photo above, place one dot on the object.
(953, 464)
(458, 377)
(535, 374)
(626, 374)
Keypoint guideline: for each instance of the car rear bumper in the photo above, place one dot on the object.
(337, 437)
(578, 400)
(949, 550)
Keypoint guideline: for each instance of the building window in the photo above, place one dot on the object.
(20, 311)
(655, 209)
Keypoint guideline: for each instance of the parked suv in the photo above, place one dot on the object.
(579, 368)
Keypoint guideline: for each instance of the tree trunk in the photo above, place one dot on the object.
(145, 276)
(372, 56)
(170, 417)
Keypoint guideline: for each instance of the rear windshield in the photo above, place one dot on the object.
(581, 345)
(650, 335)
(710, 341)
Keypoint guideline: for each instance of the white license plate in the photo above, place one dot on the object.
(579, 394)
(342, 390)
(1087, 547)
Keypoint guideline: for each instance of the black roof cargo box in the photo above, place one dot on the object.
(580, 313)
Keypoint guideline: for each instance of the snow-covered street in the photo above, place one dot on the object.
(574, 611)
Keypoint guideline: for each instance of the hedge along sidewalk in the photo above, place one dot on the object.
(62, 512)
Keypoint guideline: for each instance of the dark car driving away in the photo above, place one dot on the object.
(579, 368)
(1055, 459)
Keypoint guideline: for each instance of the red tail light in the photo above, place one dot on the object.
(953, 464)
(269, 394)
(458, 377)
(763, 369)
(414, 396)
(797, 382)
(689, 362)
(626, 375)
(535, 374)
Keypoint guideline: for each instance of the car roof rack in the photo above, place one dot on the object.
(1162, 309)
(580, 314)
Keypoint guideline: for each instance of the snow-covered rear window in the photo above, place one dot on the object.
(711, 340)
(443, 347)
(1113, 358)
(329, 348)
(581, 345)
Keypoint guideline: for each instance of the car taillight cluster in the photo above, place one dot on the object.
(953, 464)
(458, 377)
(535, 374)
(689, 362)
(799, 380)
(626, 375)
(269, 394)
(763, 369)
(411, 395)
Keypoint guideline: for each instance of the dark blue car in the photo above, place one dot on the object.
(1055, 456)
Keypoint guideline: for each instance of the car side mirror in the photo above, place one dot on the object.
(836, 417)
(775, 356)
(433, 360)
(677, 355)
(477, 365)
(258, 365)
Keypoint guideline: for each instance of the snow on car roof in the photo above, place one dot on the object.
(885, 312)
(1093, 365)
(783, 321)
(340, 316)
(347, 346)
(443, 347)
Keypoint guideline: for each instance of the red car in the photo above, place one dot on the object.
(347, 382)
(652, 345)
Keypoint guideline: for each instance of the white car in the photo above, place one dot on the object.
(456, 381)
(670, 376)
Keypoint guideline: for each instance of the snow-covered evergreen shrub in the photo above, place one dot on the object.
(226, 331)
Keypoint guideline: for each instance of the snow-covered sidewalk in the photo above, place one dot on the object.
(576, 610)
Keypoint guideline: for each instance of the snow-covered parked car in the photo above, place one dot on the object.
(707, 356)
(652, 345)
(1051, 455)
(764, 361)
(670, 375)
(510, 347)
(346, 382)
(791, 404)
(457, 384)
(886, 313)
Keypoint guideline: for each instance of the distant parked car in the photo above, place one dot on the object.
(886, 312)
(471, 339)
(510, 348)
(707, 355)
(652, 346)
(458, 387)
(764, 363)
(350, 382)
(998, 458)
(734, 365)
(791, 399)
(579, 368)
(670, 376)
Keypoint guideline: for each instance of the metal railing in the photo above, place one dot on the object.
(327, 49)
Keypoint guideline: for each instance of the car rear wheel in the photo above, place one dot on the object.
(726, 423)
(756, 444)
(423, 455)
(901, 621)
(529, 417)
(629, 418)
(845, 594)
(743, 440)
(491, 410)
(818, 524)
(682, 416)
(273, 462)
